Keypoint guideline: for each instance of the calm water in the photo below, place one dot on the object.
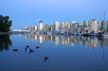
(59, 53)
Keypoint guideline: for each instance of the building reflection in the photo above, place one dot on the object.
(41, 39)
(93, 43)
(57, 40)
(69, 40)
(5, 42)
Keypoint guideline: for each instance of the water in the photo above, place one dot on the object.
(59, 53)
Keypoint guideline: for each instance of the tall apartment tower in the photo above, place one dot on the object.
(94, 26)
(41, 25)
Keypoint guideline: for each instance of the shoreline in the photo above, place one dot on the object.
(4, 33)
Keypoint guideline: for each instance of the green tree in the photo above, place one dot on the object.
(5, 23)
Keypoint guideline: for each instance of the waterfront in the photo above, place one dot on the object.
(49, 52)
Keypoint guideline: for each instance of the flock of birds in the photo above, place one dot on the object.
(27, 48)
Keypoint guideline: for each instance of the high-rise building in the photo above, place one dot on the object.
(33, 27)
(36, 28)
(63, 27)
(94, 26)
(56, 25)
(52, 27)
(73, 27)
(107, 27)
(41, 25)
(67, 26)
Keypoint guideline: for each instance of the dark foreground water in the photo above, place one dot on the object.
(46, 53)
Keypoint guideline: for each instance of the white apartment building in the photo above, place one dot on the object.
(56, 25)
(93, 25)
(41, 25)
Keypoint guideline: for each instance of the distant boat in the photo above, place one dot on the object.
(100, 34)
(106, 35)
(86, 34)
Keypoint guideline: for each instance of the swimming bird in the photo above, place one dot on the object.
(15, 50)
(45, 58)
(31, 50)
(37, 46)
(27, 48)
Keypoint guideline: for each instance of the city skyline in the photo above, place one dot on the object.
(29, 12)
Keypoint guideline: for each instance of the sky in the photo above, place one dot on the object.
(27, 12)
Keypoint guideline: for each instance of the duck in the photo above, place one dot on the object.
(27, 47)
(45, 58)
(37, 46)
(31, 50)
(15, 50)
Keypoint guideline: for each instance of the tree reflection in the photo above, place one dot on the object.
(5, 42)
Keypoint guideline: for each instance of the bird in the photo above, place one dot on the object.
(27, 47)
(15, 50)
(37, 46)
(45, 58)
(31, 50)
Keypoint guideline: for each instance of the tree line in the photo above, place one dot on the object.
(5, 23)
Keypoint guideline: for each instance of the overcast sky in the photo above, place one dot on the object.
(27, 12)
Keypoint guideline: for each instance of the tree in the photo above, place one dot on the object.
(5, 23)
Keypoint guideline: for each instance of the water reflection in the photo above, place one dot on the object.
(92, 42)
(5, 42)
(28, 55)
